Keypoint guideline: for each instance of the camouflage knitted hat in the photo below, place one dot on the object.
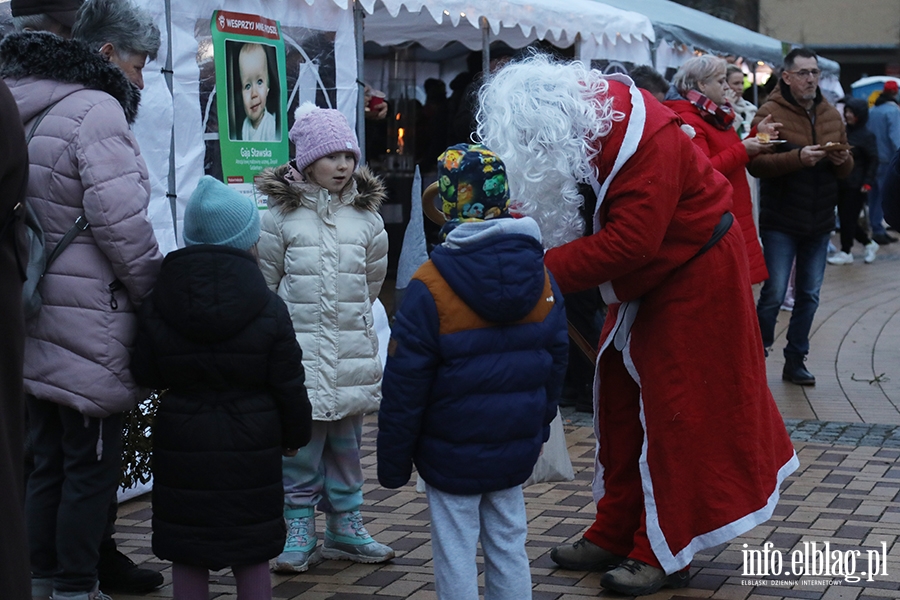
(472, 182)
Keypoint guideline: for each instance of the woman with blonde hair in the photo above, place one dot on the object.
(703, 105)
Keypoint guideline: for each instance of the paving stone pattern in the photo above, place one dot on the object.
(846, 431)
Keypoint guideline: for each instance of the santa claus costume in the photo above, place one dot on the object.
(691, 448)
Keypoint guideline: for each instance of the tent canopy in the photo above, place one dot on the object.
(679, 24)
(434, 23)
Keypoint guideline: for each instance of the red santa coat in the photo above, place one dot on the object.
(715, 449)
(728, 156)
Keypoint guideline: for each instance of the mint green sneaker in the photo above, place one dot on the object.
(94, 594)
(346, 538)
(301, 543)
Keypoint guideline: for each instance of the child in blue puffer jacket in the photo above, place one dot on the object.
(474, 374)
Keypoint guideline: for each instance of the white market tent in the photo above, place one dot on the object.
(677, 25)
(171, 126)
(601, 31)
(409, 41)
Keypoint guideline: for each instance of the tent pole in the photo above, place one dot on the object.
(755, 86)
(171, 193)
(358, 16)
(485, 48)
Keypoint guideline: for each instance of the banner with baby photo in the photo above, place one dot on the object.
(251, 94)
(178, 122)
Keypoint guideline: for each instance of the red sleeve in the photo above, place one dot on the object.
(634, 216)
(732, 157)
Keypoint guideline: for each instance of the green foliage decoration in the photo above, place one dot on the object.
(137, 442)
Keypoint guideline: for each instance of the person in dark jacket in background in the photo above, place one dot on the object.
(223, 346)
(474, 373)
(884, 122)
(462, 123)
(891, 186)
(853, 191)
(15, 580)
(648, 78)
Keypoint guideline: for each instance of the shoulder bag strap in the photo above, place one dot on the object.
(37, 121)
(81, 222)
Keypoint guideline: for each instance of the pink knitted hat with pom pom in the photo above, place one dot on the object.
(318, 132)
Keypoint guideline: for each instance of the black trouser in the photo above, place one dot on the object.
(69, 492)
(583, 310)
(850, 202)
(15, 582)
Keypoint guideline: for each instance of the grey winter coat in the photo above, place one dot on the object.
(84, 160)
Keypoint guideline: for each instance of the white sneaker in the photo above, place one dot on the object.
(843, 258)
(871, 249)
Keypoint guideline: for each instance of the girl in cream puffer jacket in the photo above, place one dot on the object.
(323, 250)
(326, 256)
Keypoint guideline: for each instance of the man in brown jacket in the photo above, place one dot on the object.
(798, 193)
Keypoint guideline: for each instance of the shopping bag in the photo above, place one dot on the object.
(554, 463)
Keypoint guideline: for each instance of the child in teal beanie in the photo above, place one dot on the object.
(223, 347)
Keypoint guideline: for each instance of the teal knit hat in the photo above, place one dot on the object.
(219, 215)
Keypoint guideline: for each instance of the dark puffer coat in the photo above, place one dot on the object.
(891, 193)
(865, 149)
(223, 345)
(476, 363)
(793, 198)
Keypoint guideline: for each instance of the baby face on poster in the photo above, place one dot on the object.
(254, 72)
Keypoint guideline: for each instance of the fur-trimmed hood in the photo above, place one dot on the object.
(44, 55)
(366, 192)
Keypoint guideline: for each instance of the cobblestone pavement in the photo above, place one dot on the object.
(846, 431)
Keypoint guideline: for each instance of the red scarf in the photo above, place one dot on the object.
(720, 116)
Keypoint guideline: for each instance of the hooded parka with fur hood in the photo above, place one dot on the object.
(84, 160)
(325, 255)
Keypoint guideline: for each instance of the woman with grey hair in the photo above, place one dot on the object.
(85, 167)
(120, 31)
(702, 83)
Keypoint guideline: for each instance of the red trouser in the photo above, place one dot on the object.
(620, 525)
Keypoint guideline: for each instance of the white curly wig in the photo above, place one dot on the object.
(544, 119)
